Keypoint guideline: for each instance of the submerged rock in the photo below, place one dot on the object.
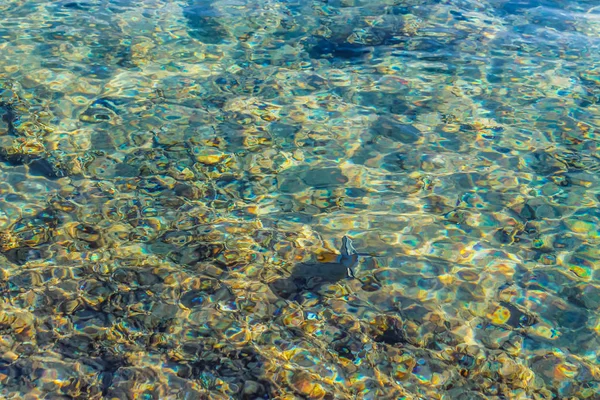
(392, 129)
(324, 177)
(19, 244)
(203, 23)
(47, 167)
(327, 49)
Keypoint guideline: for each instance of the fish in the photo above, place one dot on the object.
(348, 256)
(311, 275)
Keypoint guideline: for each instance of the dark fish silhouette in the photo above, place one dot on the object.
(306, 276)
(349, 256)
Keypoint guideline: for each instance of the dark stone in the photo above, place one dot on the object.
(191, 255)
(284, 287)
(203, 23)
(449, 141)
(13, 371)
(15, 159)
(390, 128)
(44, 167)
(193, 298)
(125, 275)
(324, 177)
(89, 317)
(392, 335)
(503, 236)
(387, 102)
(75, 346)
(76, 5)
(151, 185)
(519, 6)
(89, 234)
(286, 132)
(465, 180)
(328, 49)
(124, 170)
(8, 116)
(518, 319)
(547, 211)
(312, 83)
(291, 184)
(46, 217)
(415, 311)
(149, 279)
(542, 163)
(189, 191)
(429, 45)
(528, 213)
(572, 318)
(584, 295)
(355, 192)
(101, 140)
(343, 351)
(14, 197)
(96, 115)
(99, 71)
(566, 242)
(22, 255)
(437, 205)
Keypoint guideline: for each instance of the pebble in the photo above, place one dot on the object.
(397, 131)
(324, 177)
(195, 184)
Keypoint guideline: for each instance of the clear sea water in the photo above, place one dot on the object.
(177, 178)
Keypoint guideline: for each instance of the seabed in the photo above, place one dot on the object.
(179, 181)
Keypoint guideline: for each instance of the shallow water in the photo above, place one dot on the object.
(177, 178)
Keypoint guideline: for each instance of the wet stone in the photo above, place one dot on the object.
(390, 102)
(392, 129)
(87, 233)
(23, 255)
(102, 140)
(126, 170)
(528, 213)
(324, 177)
(192, 255)
(47, 167)
(194, 298)
(392, 335)
(203, 21)
(396, 162)
(571, 318)
(97, 115)
(202, 159)
(76, 346)
(544, 163)
(578, 296)
(323, 48)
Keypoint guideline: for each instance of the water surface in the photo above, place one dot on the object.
(176, 179)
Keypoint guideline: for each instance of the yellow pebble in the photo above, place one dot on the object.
(209, 159)
(584, 227)
(500, 316)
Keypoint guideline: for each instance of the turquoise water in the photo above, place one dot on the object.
(177, 178)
